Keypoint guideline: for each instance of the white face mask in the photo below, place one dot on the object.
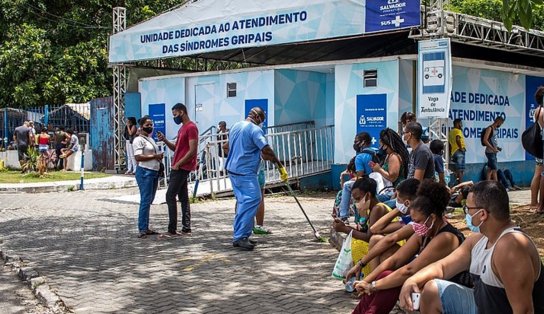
(401, 207)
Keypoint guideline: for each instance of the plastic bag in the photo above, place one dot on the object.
(344, 262)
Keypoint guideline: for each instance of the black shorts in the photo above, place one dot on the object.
(22, 152)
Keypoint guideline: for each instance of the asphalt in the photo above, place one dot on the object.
(81, 251)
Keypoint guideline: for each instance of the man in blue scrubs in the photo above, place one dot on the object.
(246, 145)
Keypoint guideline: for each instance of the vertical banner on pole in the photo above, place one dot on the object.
(434, 78)
(372, 115)
(157, 114)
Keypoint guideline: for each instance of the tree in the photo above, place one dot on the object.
(519, 10)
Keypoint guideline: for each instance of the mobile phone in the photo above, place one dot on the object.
(415, 300)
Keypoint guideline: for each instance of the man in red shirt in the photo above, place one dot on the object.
(185, 152)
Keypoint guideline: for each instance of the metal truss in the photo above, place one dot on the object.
(119, 89)
(478, 31)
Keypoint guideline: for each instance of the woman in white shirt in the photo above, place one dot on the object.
(148, 157)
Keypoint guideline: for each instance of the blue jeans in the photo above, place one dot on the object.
(148, 181)
(492, 161)
(456, 298)
(458, 160)
(346, 199)
(248, 197)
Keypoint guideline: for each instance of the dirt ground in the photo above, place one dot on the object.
(531, 223)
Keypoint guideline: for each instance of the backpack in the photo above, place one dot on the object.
(483, 134)
(375, 156)
(531, 139)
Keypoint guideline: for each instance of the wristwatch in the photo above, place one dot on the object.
(373, 286)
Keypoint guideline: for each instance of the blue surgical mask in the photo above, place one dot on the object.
(470, 226)
(177, 119)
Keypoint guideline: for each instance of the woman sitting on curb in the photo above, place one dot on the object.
(434, 238)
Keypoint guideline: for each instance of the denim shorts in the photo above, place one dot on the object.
(458, 159)
(492, 161)
(456, 298)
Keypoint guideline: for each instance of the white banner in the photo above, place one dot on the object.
(214, 25)
(434, 78)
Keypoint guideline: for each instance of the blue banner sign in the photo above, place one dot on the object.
(372, 115)
(385, 15)
(156, 113)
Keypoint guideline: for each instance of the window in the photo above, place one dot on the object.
(231, 89)
(370, 78)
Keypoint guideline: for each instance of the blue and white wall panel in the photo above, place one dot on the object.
(300, 96)
(349, 84)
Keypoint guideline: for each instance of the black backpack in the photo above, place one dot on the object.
(483, 134)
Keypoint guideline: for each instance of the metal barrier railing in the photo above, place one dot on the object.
(303, 152)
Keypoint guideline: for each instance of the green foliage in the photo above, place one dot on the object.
(55, 51)
(31, 163)
(527, 13)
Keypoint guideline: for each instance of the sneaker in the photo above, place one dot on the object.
(170, 235)
(186, 233)
(142, 235)
(244, 244)
(261, 230)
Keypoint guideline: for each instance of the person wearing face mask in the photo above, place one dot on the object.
(433, 239)
(363, 159)
(184, 161)
(246, 145)
(382, 247)
(369, 210)
(421, 162)
(222, 138)
(148, 157)
(502, 260)
(395, 166)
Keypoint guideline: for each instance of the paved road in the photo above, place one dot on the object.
(15, 297)
(86, 245)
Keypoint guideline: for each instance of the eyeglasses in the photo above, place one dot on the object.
(467, 208)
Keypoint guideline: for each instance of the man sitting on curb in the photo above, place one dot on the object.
(503, 262)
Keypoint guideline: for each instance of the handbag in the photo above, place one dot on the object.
(344, 261)
(531, 139)
(161, 164)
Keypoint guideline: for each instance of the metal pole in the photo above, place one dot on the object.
(82, 169)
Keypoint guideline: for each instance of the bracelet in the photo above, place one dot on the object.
(361, 264)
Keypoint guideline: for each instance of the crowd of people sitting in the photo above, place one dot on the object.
(395, 202)
(54, 148)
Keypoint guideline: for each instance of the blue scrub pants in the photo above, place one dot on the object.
(248, 196)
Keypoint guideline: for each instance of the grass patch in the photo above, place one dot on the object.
(12, 176)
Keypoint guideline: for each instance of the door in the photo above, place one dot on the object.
(205, 106)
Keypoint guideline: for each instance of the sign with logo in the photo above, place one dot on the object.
(156, 113)
(372, 115)
(434, 78)
(382, 15)
(202, 26)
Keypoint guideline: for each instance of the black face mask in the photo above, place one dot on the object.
(148, 130)
(356, 147)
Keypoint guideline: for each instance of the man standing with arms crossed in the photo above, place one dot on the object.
(184, 161)
(247, 144)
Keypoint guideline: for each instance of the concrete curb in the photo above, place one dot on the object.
(68, 186)
(38, 284)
